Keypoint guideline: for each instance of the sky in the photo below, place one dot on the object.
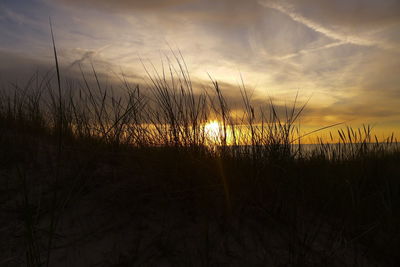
(343, 55)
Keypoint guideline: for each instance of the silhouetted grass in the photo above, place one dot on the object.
(82, 164)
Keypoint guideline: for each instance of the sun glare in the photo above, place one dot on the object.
(211, 129)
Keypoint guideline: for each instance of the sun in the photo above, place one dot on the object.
(212, 129)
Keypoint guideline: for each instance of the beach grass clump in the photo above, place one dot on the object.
(179, 178)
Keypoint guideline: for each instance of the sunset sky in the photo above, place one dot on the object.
(344, 54)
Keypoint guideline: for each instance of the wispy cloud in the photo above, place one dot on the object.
(312, 50)
(347, 27)
(87, 56)
(345, 52)
(344, 38)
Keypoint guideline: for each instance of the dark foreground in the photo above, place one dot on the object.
(84, 203)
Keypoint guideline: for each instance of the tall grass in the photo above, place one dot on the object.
(168, 112)
(330, 193)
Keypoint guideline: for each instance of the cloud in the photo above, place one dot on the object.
(367, 106)
(345, 52)
(316, 26)
(128, 5)
(155, 5)
(356, 15)
(87, 55)
(19, 66)
(221, 13)
(353, 22)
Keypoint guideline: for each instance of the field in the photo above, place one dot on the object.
(168, 175)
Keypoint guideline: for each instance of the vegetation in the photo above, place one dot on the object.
(92, 177)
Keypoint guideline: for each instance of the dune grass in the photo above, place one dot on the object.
(251, 194)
